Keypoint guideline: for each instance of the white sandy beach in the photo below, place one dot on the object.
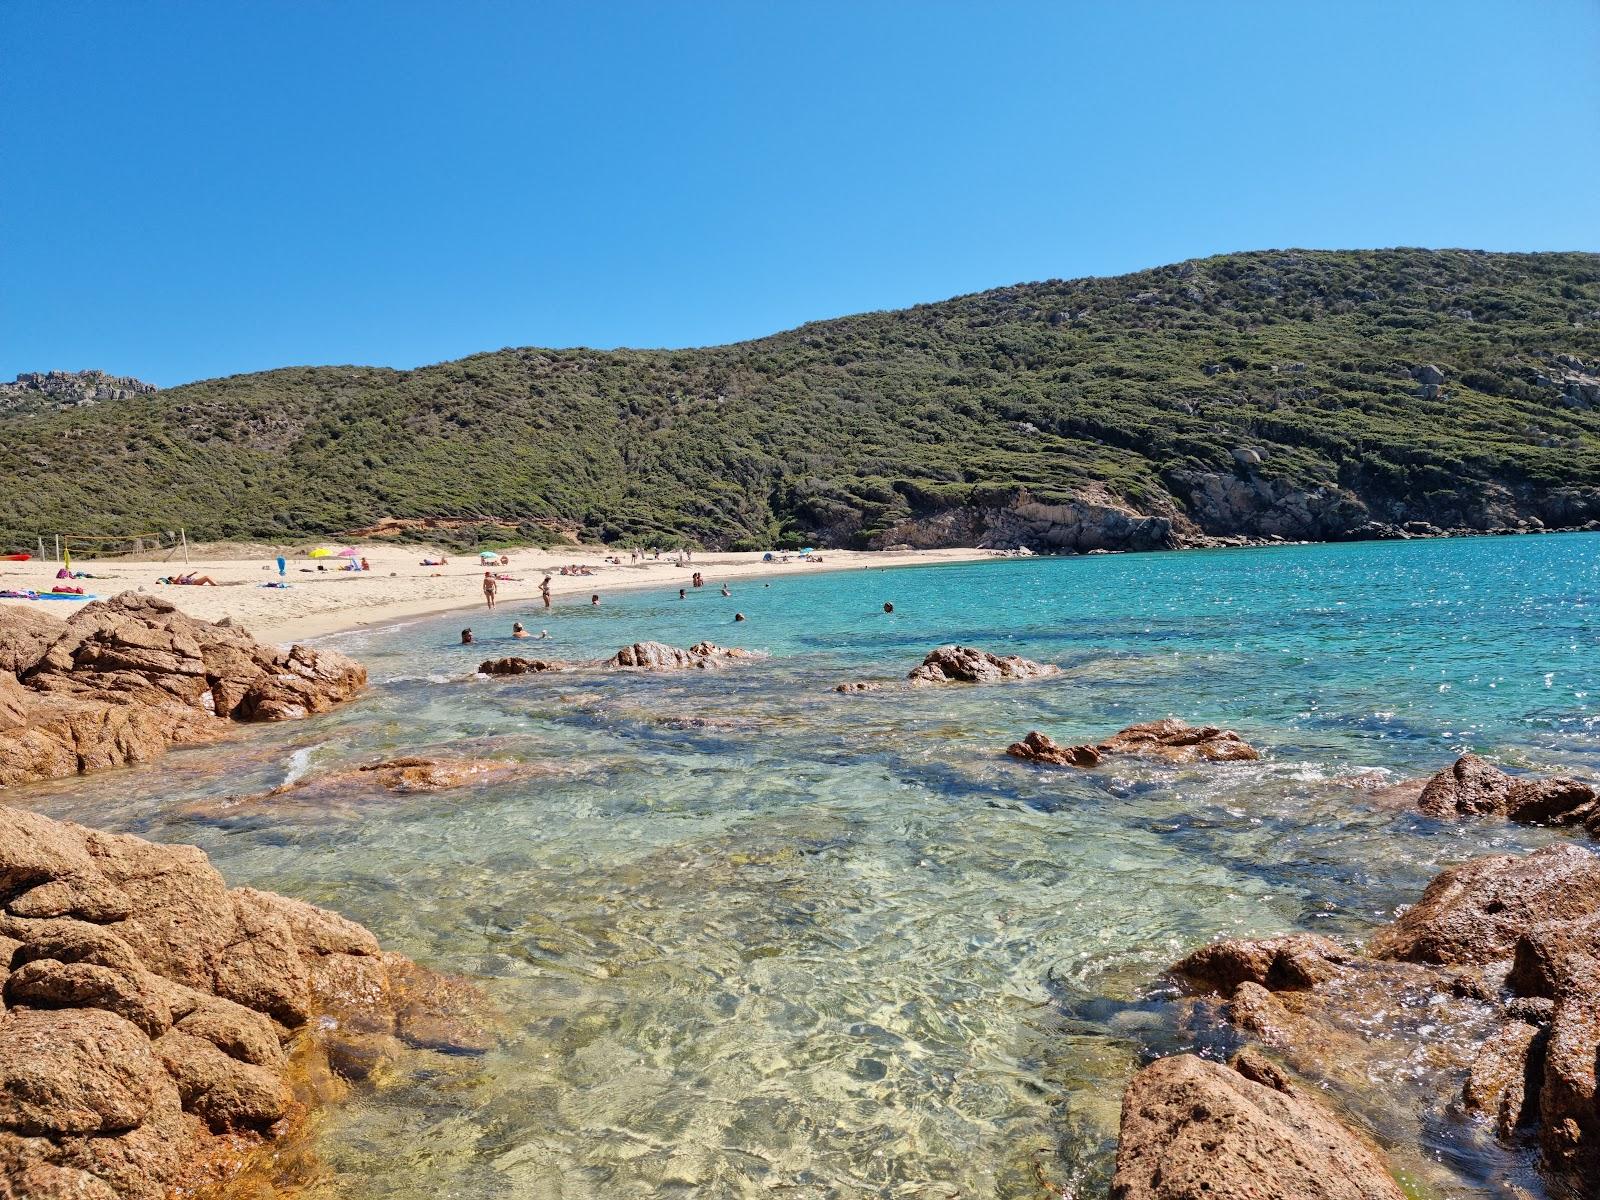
(399, 587)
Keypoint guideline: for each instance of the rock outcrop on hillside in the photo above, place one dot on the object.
(1488, 988)
(123, 679)
(158, 1026)
(1169, 739)
(43, 390)
(965, 664)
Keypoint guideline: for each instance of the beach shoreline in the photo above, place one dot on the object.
(399, 587)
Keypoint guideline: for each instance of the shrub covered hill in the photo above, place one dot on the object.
(1289, 394)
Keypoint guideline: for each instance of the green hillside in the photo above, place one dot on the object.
(1158, 391)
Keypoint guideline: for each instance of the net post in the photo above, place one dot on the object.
(183, 537)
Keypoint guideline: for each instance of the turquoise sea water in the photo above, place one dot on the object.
(749, 937)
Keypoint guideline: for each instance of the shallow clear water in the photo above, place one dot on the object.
(751, 937)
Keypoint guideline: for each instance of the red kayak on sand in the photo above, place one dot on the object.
(15, 557)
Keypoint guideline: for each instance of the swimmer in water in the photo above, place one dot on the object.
(738, 616)
(887, 607)
(517, 631)
(466, 637)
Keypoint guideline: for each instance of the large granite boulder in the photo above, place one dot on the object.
(1169, 739)
(965, 664)
(658, 656)
(158, 1026)
(1474, 914)
(124, 679)
(1194, 1129)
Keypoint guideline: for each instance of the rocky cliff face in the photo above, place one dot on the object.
(37, 391)
(1208, 508)
(123, 679)
(160, 1028)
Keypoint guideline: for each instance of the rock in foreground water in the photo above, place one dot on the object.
(517, 665)
(1169, 740)
(658, 656)
(1193, 1128)
(158, 1026)
(1502, 956)
(123, 679)
(1472, 786)
(965, 664)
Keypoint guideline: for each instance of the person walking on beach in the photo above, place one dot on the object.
(489, 588)
(544, 591)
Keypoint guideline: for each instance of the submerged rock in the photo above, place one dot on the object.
(157, 1024)
(1193, 1128)
(1169, 739)
(658, 656)
(1472, 786)
(123, 679)
(965, 664)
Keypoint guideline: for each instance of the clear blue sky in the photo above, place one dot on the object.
(197, 189)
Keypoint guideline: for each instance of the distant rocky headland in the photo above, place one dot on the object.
(35, 391)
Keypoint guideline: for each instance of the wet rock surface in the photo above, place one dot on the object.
(1472, 786)
(658, 656)
(1169, 740)
(159, 1026)
(123, 679)
(966, 664)
(518, 666)
(1485, 994)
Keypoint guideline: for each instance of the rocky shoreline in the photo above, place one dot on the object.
(1493, 977)
(161, 1032)
(122, 680)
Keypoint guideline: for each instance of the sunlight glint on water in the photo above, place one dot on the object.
(753, 938)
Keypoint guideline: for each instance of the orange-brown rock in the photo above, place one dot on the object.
(1502, 954)
(1169, 740)
(1472, 786)
(658, 656)
(517, 666)
(1039, 748)
(151, 1013)
(1475, 913)
(126, 678)
(1194, 1129)
(965, 664)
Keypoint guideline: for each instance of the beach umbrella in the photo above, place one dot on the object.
(321, 552)
(348, 552)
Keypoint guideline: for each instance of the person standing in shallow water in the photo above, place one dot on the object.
(489, 588)
(544, 590)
